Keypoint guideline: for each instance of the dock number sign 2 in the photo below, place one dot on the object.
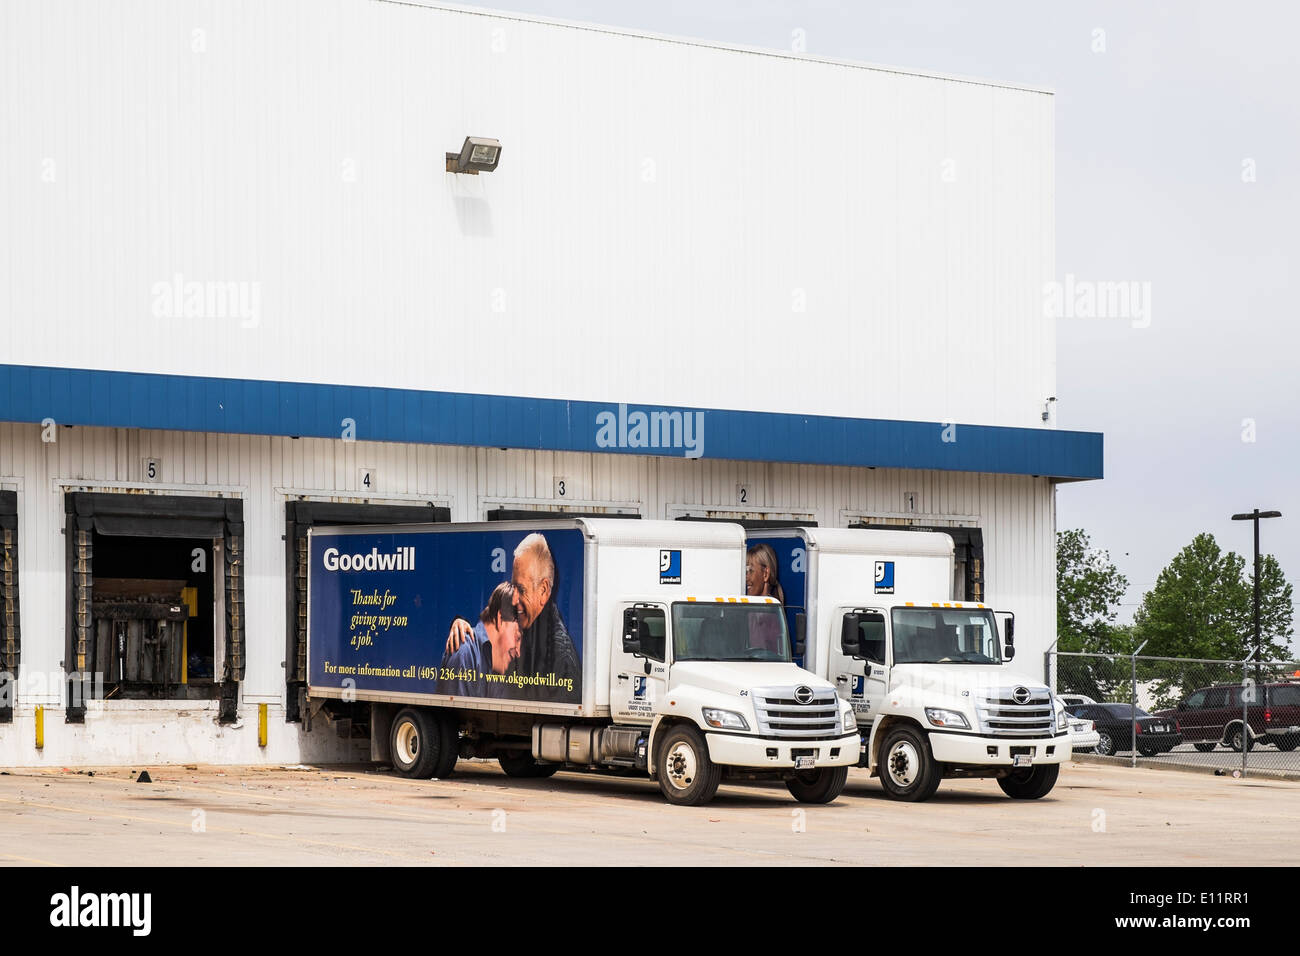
(670, 567)
(884, 577)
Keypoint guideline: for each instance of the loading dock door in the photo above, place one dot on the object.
(134, 530)
(10, 639)
(300, 516)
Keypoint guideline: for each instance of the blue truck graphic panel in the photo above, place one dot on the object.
(792, 562)
(382, 607)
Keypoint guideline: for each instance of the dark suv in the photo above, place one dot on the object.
(1212, 715)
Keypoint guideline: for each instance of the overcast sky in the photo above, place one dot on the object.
(1156, 136)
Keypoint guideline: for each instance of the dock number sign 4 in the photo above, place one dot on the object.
(670, 567)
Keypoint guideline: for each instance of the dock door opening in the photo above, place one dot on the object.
(300, 516)
(155, 589)
(10, 638)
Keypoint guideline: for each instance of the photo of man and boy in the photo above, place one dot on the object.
(520, 634)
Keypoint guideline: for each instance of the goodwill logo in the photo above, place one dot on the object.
(670, 567)
(884, 577)
(656, 429)
(403, 559)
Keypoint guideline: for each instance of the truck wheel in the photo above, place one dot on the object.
(818, 786)
(524, 766)
(687, 776)
(908, 771)
(415, 742)
(1105, 744)
(1205, 748)
(1234, 739)
(448, 746)
(1030, 784)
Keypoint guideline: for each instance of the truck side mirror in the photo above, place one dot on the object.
(1010, 654)
(1011, 631)
(631, 631)
(800, 634)
(850, 634)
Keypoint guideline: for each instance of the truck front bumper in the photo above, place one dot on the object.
(761, 753)
(977, 750)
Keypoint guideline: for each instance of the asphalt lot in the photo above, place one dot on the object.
(1097, 815)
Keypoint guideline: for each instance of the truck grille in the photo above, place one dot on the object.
(780, 715)
(1003, 716)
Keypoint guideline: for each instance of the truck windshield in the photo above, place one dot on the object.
(942, 635)
(729, 632)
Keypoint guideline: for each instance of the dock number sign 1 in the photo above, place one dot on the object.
(884, 577)
(670, 567)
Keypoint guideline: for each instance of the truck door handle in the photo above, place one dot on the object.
(841, 678)
(622, 677)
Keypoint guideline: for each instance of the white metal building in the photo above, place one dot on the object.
(241, 293)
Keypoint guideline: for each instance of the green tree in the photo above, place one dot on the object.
(1088, 591)
(1202, 606)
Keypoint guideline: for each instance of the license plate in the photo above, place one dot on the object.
(804, 763)
(1022, 760)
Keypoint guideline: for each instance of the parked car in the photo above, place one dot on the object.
(1212, 715)
(1070, 700)
(1115, 724)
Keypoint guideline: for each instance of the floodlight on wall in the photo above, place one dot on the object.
(477, 155)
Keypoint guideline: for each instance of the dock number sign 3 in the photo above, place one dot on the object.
(884, 577)
(670, 567)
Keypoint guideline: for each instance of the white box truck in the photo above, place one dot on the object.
(601, 644)
(927, 676)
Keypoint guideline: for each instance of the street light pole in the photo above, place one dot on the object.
(1255, 516)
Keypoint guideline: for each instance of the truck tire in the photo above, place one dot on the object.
(818, 786)
(448, 746)
(1233, 739)
(1031, 784)
(415, 742)
(687, 775)
(523, 766)
(1206, 747)
(908, 770)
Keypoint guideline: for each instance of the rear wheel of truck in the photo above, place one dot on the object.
(1032, 783)
(523, 766)
(415, 742)
(448, 746)
(687, 775)
(908, 771)
(818, 786)
(1235, 735)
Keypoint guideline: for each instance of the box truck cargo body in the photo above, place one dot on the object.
(580, 643)
(928, 677)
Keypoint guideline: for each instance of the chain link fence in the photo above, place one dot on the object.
(1235, 717)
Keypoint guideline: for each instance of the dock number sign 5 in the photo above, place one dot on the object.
(884, 577)
(670, 567)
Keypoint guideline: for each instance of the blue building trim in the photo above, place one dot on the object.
(250, 407)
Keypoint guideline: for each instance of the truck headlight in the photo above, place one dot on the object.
(946, 718)
(849, 720)
(724, 719)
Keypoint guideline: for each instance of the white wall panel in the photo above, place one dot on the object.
(662, 212)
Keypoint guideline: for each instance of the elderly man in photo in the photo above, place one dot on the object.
(548, 662)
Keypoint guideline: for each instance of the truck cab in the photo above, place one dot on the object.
(930, 681)
(714, 680)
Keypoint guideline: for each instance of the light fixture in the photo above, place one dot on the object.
(1047, 408)
(477, 155)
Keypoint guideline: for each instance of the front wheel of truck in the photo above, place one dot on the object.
(415, 743)
(908, 770)
(687, 775)
(818, 786)
(1032, 783)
